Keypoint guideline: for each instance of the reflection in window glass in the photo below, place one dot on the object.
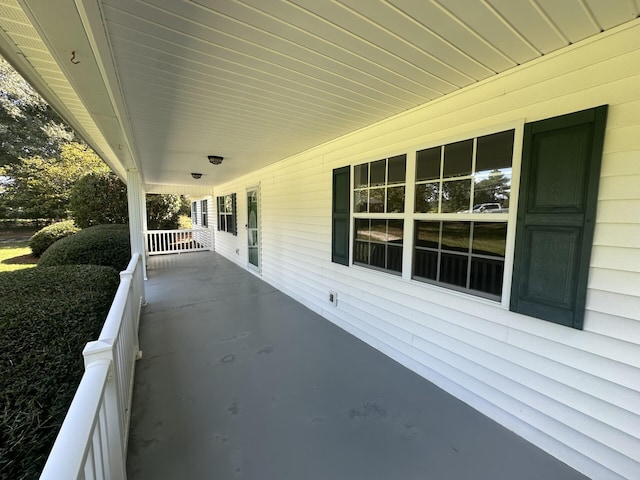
(395, 200)
(383, 247)
(455, 236)
(378, 186)
(377, 173)
(395, 231)
(489, 238)
(442, 255)
(456, 196)
(491, 176)
(428, 164)
(361, 175)
(360, 200)
(427, 197)
(458, 159)
(376, 200)
(428, 234)
(362, 229)
(494, 152)
(397, 169)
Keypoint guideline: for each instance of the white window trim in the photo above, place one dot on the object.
(409, 216)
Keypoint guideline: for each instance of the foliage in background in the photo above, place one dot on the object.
(185, 222)
(106, 245)
(28, 125)
(99, 198)
(162, 211)
(47, 236)
(40, 187)
(47, 317)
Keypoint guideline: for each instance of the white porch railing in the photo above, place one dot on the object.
(160, 242)
(92, 442)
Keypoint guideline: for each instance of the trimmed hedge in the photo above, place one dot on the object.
(106, 245)
(47, 236)
(47, 317)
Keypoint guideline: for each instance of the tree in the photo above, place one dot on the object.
(38, 187)
(495, 188)
(28, 125)
(163, 211)
(99, 198)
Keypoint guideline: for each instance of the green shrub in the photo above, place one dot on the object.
(47, 317)
(106, 245)
(99, 198)
(47, 236)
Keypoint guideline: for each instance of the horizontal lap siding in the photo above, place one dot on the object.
(574, 393)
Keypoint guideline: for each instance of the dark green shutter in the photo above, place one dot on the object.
(340, 215)
(556, 215)
(234, 215)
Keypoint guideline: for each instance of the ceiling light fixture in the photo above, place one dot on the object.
(215, 159)
(196, 175)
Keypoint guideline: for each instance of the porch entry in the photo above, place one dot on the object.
(253, 234)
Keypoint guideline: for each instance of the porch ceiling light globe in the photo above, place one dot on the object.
(196, 175)
(215, 159)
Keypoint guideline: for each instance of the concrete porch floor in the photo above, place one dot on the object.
(239, 381)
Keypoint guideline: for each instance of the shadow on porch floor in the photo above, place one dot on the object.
(239, 381)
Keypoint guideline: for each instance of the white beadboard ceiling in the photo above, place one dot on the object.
(161, 84)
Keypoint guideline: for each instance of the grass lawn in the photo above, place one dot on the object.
(15, 255)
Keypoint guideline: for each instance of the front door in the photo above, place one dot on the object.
(253, 233)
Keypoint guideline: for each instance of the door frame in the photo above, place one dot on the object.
(251, 266)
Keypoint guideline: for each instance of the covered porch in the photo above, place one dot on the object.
(238, 380)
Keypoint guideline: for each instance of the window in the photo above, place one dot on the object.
(227, 213)
(379, 186)
(378, 244)
(205, 211)
(458, 215)
(378, 203)
(194, 213)
(470, 179)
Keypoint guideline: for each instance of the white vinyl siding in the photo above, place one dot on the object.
(576, 394)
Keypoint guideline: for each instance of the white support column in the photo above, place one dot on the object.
(137, 217)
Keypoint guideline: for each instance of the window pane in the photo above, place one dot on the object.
(427, 197)
(397, 169)
(395, 231)
(378, 172)
(395, 200)
(453, 269)
(378, 255)
(456, 196)
(362, 229)
(223, 223)
(360, 200)
(428, 164)
(378, 230)
(492, 191)
(361, 175)
(455, 236)
(457, 159)
(489, 238)
(486, 275)
(425, 264)
(427, 234)
(494, 152)
(394, 258)
(376, 200)
(361, 252)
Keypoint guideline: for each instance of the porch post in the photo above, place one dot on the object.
(137, 218)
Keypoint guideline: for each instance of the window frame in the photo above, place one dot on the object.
(377, 216)
(409, 216)
(204, 205)
(223, 213)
